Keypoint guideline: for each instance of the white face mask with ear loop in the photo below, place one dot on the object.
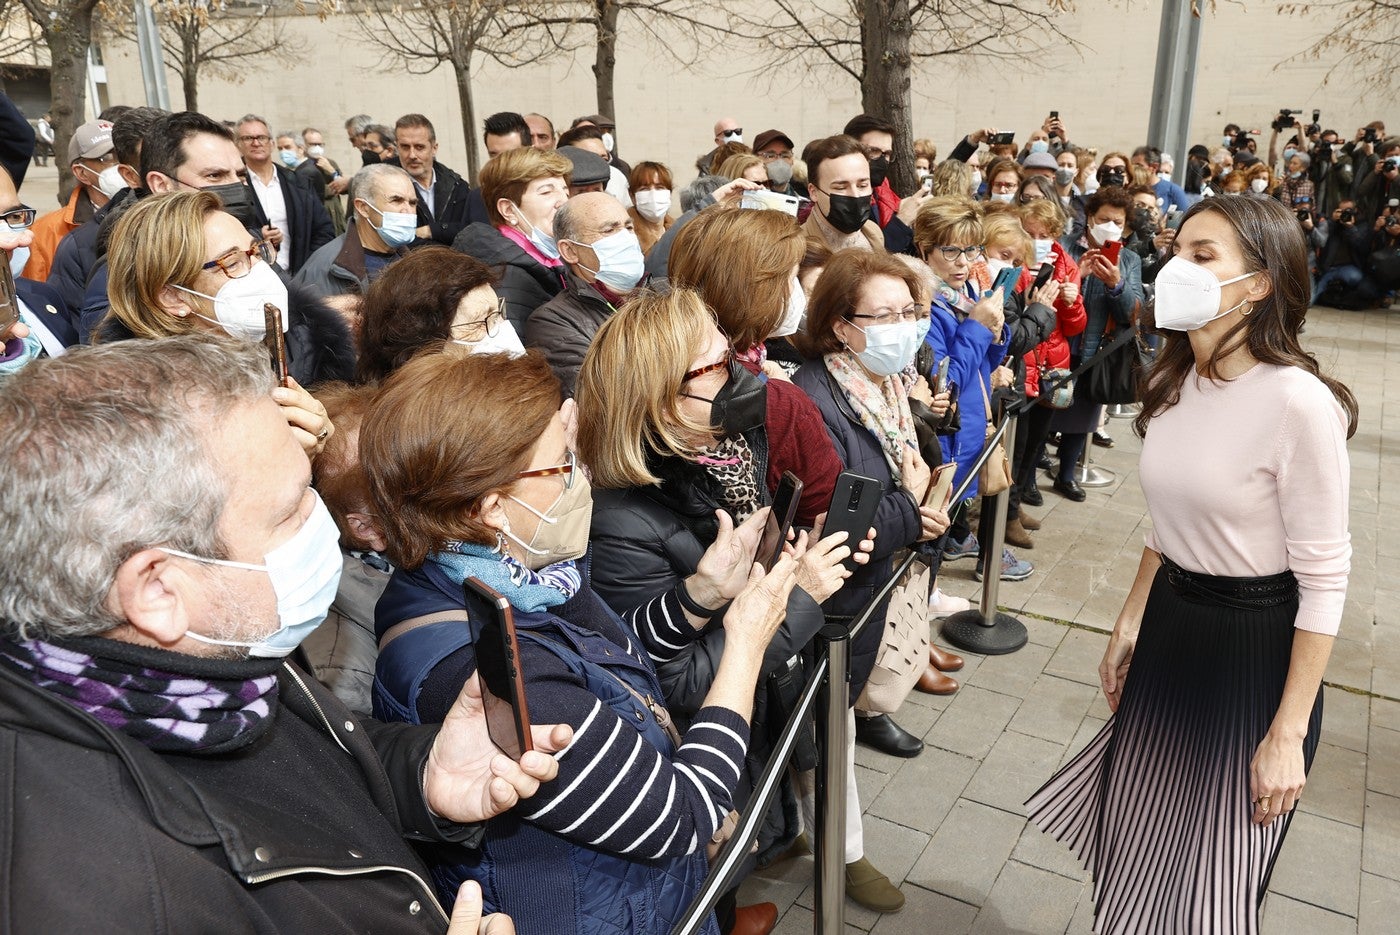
(1188, 295)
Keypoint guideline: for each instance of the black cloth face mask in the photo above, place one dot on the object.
(848, 213)
(741, 405)
(238, 201)
(879, 168)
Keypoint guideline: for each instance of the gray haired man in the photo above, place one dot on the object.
(163, 554)
(384, 216)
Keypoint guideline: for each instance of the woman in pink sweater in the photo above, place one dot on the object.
(1214, 670)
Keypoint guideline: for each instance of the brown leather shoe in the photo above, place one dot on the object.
(1016, 534)
(757, 919)
(943, 660)
(1028, 521)
(933, 682)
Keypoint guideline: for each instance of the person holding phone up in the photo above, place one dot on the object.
(471, 467)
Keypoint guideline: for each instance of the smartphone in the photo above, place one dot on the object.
(1006, 281)
(939, 485)
(1041, 278)
(1175, 217)
(1370, 135)
(492, 621)
(1111, 250)
(773, 201)
(9, 298)
(853, 506)
(780, 517)
(940, 383)
(928, 184)
(999, 139)
(1054, 115)
(276, 342)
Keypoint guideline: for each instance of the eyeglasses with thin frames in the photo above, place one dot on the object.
(492, 321)
(236, 263)
(908, 313)
(567, 469)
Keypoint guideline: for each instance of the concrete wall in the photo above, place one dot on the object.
(666, 111)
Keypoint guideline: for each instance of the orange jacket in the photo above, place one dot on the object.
(48, 231)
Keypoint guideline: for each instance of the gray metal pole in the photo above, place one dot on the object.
(829, 848)
(1174, 83)
(991, 551)
(152, 61)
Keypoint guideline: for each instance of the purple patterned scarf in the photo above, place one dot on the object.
(210, 706)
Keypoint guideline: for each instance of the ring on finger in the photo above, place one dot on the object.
(324, 433)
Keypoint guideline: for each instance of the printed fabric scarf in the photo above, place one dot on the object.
(528, 591)
(882, 407)
(210, 706)
(730, 463)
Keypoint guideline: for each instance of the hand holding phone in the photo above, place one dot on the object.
(940, 486)
(492, 621)
(9, 298)
(775, 531)
(1110, 251)
(853, 506)
(940, 383)
(276, 341)
(1006, 282)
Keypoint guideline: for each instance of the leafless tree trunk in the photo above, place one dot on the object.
(66, 28)
(605, 59)
(886, 30)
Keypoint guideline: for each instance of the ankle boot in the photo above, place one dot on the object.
(1029, 521)
(933, 682)
(943, 660)
(1016, 534)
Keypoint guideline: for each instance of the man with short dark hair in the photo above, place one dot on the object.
(503, 131)
(179, 770)
(330, 189)
(589, 137)
(597, 281)
(1170, 196)
(442, 193)
(293, 219)
(839, 184)
(894, 215)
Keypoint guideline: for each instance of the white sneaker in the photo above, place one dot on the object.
(941, 605)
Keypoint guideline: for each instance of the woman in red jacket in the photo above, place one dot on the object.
(1044, 221)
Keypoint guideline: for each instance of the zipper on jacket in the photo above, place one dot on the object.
(255, 878)
(317, 706)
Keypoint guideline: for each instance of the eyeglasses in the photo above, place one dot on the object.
(492, 321)
(768, 156)
(566, 469)
(874, 152)
(254, 139)
(721, 364)
(908, 313)
(18, 219)
(236, 263)
(951, 254)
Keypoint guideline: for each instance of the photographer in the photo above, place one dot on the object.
(1148, 236)
(1331, 173)
(1379, 186)
(1384, 260)
(1344, 251)
(1362, 151)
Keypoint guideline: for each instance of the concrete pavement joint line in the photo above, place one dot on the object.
(1071, 625)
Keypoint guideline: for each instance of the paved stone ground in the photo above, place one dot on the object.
(949, 826)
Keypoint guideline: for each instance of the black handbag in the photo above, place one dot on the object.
(1111, 376)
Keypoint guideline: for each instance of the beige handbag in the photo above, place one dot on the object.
(903, 653)
(995, 475)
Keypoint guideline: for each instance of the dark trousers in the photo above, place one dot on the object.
(1071, 448)
(1037, 421)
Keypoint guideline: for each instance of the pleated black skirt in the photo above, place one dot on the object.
(1158, 805)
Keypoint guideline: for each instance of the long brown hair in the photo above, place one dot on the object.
(1272, 243)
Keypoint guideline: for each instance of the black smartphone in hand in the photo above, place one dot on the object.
(492, 621)
(276, 342)
(780, 516)
(1047, 269)
(853, 506)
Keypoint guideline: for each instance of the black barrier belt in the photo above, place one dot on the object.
(1123, 336)
(732, 855)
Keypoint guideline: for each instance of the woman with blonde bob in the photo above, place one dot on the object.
(179, 264)
(744, 166)
(469, 463)
(953, 177)
(673, 432)
(744, 264)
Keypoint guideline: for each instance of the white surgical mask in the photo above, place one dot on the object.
(1042, 250)
(1258, 185)
(1164, 175)
(976, 180)
(620, 261)
(395, 228)
(1188, 295)
(891, 348)
(315, 152)
(305, 572)
(652, 204)
(733, 136)
(795, 316)
(1106, 232)
(607, 141)
(504, 341)
(238, 308)
(1004, 197)
(110, 181)
(779, 172)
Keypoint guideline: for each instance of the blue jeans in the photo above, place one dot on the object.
(1349, 276)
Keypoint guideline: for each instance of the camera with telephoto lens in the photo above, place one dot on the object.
(1284, 120)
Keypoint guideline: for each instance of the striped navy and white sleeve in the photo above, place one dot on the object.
(618, 793)
(662, 626)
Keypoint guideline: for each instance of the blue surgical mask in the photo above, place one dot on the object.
(1288, 154)
(289, 158)
(1042, 250)
(305, 573)
(620, 261)
(891, 348)
(1040, 146)
(396, 228)
(543, 242)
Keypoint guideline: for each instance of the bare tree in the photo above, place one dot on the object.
(66, 29)
(461, 34)
(877, 42)
(1361, 44)
(19, 38)
(213, 36)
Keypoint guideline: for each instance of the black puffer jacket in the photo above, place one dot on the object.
(896, 521)
(564, 327)
(525, 284)
(300, 831)
(319, 346)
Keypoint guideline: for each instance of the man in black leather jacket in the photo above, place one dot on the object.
(168, 768)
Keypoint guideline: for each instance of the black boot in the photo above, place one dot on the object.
(882, 733)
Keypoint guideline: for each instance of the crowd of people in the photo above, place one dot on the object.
(323, 401)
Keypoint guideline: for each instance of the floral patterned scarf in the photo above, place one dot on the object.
(882, 407)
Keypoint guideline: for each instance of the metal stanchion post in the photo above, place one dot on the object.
(829, 848)
(987, 630)
(1123, 411)
(1090, 475)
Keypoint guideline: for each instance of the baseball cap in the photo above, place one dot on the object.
(761, 141)
(90, 141)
